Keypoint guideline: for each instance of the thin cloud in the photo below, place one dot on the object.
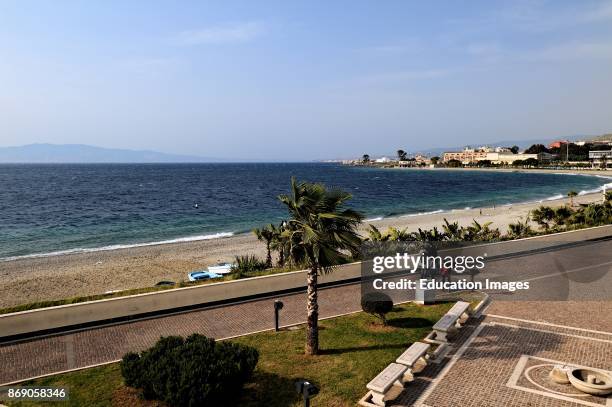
(483, 49)
(403, 76)
(531, 16)
(221, 34)
(408, 46)
(574, 50)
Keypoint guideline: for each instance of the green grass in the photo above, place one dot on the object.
(354, 349)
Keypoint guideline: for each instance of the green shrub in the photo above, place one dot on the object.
(246, 264)
(190, 372)
(378, 304)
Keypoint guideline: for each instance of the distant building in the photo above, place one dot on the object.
(467, 156)
(598, 157)
(383, 160)
(557, 143)
(501, 155)
(421, 159)
(509, 158)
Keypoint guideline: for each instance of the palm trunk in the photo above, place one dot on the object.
(281, 257)
(269, 256)
(312, 307)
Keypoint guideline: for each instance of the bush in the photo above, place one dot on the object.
(247, 264)
(190, 372)
(378, 304)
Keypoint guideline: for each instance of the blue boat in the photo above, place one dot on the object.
(202, 275)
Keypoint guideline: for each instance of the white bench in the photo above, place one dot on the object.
(462, 309)
(445, 327)
(386, 385)
(448, 324)
(415, 359)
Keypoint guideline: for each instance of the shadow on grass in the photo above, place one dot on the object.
(409, 322)
(338, 351)
(268, 389)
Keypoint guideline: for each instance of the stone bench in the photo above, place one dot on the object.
(415, 359)
(386, 385)
(462, 309)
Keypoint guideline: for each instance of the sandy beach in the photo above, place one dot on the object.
(57, 277)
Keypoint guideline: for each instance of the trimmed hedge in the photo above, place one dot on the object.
(378, 304)
(190, 372)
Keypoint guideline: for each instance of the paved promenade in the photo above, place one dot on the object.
(30, 358)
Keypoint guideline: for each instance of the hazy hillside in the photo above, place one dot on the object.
(79, 153)
(603, 137)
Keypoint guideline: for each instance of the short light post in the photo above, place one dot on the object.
(307, 390)
(278, 305)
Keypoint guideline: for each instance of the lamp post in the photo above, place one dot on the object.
(307, 390)
(278, 305)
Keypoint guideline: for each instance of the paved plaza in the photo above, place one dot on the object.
(504, 360)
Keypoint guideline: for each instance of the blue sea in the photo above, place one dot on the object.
(52, 209)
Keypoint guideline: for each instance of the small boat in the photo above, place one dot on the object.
(202, 275)
(221, 268)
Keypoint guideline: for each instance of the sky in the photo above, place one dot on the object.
(293, 81)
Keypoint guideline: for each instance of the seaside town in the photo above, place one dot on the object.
(589, 153)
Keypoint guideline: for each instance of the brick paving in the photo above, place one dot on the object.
(31, 358)
(480, 375)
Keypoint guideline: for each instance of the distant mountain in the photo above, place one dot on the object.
(603, 137)
(80, 153)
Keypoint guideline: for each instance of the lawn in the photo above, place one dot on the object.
(354, 348)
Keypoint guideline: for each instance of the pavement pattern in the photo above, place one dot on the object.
(56, 353)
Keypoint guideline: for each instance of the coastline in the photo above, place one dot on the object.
(591, 172)
(32, 279)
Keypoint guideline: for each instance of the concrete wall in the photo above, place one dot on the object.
(120, 307)
(86, 312)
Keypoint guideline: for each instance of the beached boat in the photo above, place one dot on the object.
(202, 275)
(221, 268)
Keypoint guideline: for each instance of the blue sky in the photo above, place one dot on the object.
(302, 80)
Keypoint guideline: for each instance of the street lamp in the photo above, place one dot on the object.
(278, 305)
(307, 390)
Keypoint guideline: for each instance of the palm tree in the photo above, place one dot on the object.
(266, 234)
(398, 235)
(480, 232)
(376, 235)
(279, 243)
(571, 195)
(520, 229)
(542, 216)
(320, 232)
(428, 235)
(452, 231)
(561, 215)
(365, 158)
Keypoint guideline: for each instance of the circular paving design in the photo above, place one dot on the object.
(538, 375)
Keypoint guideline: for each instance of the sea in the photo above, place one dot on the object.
(52, 209)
